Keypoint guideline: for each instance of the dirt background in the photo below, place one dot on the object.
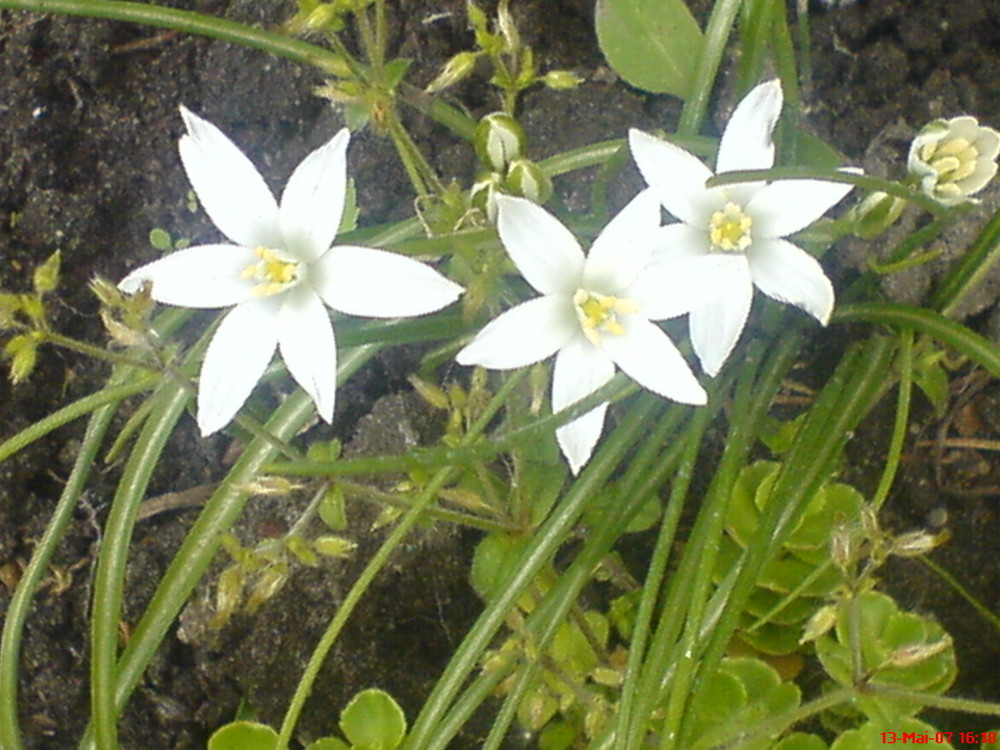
(88, 132)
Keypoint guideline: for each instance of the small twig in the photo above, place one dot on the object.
(194, 497)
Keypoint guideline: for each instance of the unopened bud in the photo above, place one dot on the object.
(526, 178)
(819, 624)
(843, 548)
(484, 194)
(876, 213)
(916, 543)
(334, 546)
(508, 29)
(499, 140)
(456, 69)
(908, 656)
(324, 17)
(561, 79)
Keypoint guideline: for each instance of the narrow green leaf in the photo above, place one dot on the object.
(652, 44)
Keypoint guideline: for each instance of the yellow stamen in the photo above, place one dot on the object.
(275, 272)
(729, 229)
(599, 313)
(953, 159)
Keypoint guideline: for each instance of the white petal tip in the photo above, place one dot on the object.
(210, 424)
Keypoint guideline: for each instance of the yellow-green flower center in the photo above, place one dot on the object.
(598, 313)
(274, 272)
(953, 159)
(729, 229)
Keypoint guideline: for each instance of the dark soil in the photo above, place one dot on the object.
(88, 147)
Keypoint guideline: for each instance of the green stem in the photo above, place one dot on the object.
(202, 541)
(381, 32)
(109, 579)
(369, 43)
(855, 386)
(353, 598)
(970, 270)
(454, 119)
(599, 153)
(985, 612)
(422, 175)
(694, 576)
(426, 732)
(981, 350)
(647, 470)
(776, 723)
(664, 650)
(20, 603)
(902, 421)
(188, 22)
(829, 175)
(720, 24)
(98, 352)
(805, 45)
(71, 412)
(375, 566)
(405, 502)
(754, 41)
(618, 388)
(654, 579)
(943, 702)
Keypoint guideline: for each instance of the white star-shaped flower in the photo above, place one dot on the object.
(954, 159)
(281, 273)
(595, 311)
(744, 224)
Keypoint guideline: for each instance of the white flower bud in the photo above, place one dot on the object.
(876, 213)
(484, 194)
(916, 543)
(525, 178)
(499, 140)
(954, 159)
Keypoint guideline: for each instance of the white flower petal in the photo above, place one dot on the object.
(746, 142)
(544, 251)
(580, 369)
(307, 344)
(228, 185)
(716, 326)
(668, 289)
(677, 176)
(624, 246)
(786, 206)
(523, 335)
(312, 203)
(235, 359)
(649, 357)
(789, 274)
(204, 276)
(379, 284)
(679, 241)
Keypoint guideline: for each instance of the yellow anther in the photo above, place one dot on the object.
(729, 229)
(599, 313)
(953, 159)
(274, 272)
